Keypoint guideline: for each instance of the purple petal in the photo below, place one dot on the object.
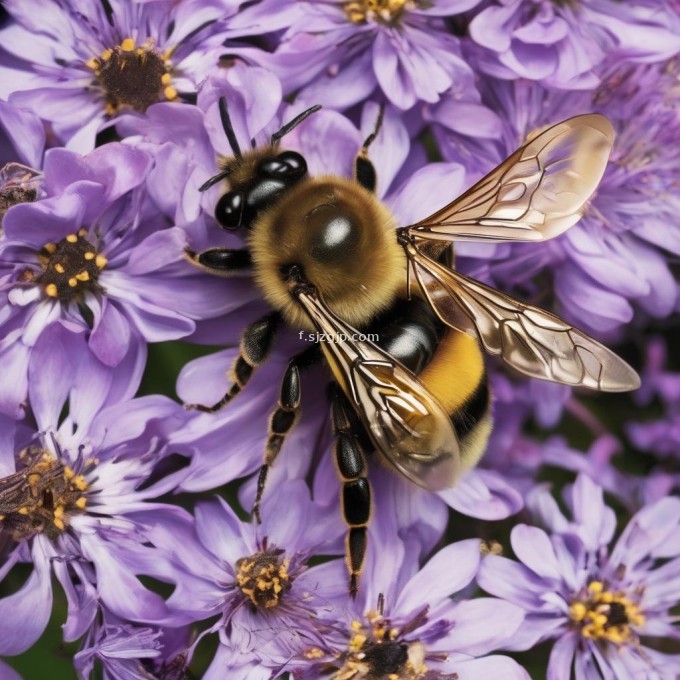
(482, 625)
(437, 579)
(117, 167)
(219, 530)
(484, 494)
(562, 657)
(511, 581)
(25, 613)
(490, 668)
(26, 133)
(51, 374)
(533, 547)
(110, 337)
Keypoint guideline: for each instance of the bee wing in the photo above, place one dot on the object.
(14, 492)
(535, 194)
(409, 427)
(533, 341)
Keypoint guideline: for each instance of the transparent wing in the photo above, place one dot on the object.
(407, 424)
(533, 341)
(535, 194)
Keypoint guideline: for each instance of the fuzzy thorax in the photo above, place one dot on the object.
(343, 240)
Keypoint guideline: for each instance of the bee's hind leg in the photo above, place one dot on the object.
(350, 461)
(284, 418)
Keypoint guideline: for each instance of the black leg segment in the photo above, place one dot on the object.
(356, 491)
(284, 418)
(364, 170)
(222, 261)
(256, 342)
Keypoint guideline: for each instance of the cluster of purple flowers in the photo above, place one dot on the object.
(137, 508)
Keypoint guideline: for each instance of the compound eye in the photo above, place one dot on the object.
(288, 164)
(229, 210)
(295, 162)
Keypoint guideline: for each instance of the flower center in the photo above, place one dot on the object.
(133, 77)
(377, 11)
(40, 497)
(18, 184)
(605, 615)
(263, 578)
(70, 267)
(375, 652)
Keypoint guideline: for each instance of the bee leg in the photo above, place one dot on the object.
(284, 418)
(221, 261)
(356, 491)
(256, 342)
(364, 170)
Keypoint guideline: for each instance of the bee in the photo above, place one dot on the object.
(329, 257)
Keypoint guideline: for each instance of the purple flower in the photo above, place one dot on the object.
(256, 578)
(77, 64)
(74, 495)
(128, 652)
(95, 259)
(339, 52)
(598, 601)
(405, 625)
(618, 257)
(562, 44)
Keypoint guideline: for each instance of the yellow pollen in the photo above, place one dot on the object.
(80, 483)
(263, 578)
(83, 276)
(106, 54)
(50, 248)
(72, 238)
(59, 511)
(68, 472)
(73, 282)
(314, 653)
(51, 290)
(606, 615)
(23, 511)
(92, 63)
(383, 11)
(81, 502)
(170, 92)
(357, 642)
(128, 45)
(59, 267)
(89, 256)
(166, 78)
(100, 261)
(59, 523)
(577, 611)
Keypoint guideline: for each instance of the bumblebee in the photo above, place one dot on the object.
(329, 257)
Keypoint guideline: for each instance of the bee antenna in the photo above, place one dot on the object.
(215, 179)
(376, 131)
(229, 128)
(294, 123)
